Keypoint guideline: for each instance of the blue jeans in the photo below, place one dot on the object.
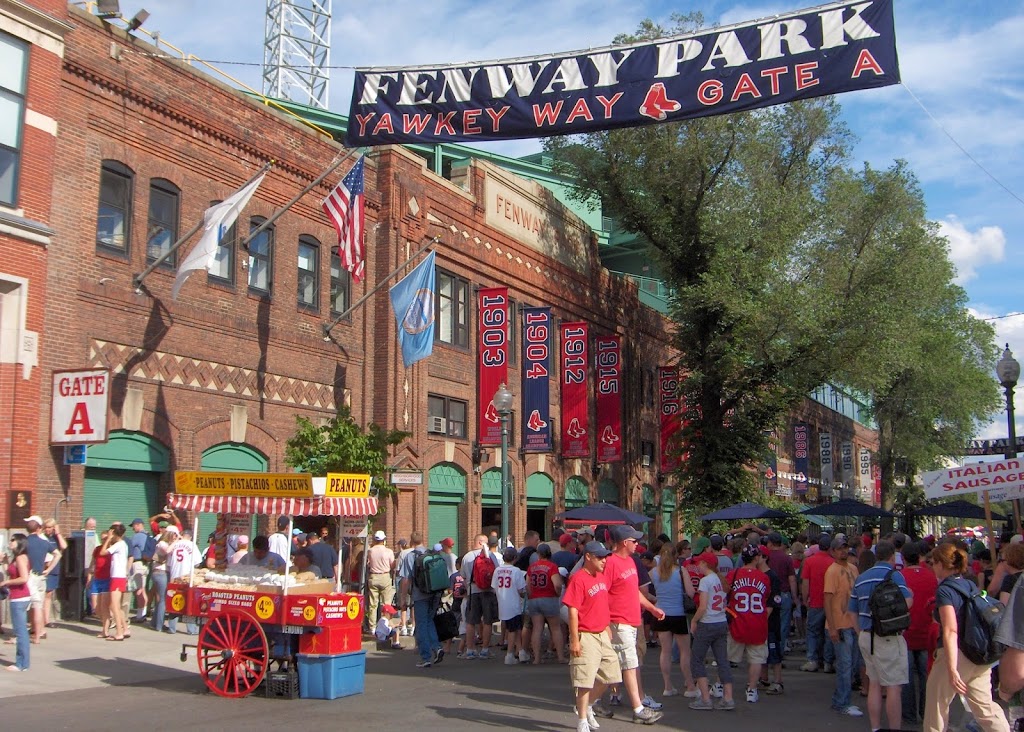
(426, 634)
(785, 618)
(160, 593)
(816, 637)
(19, 621)
(913, 693)
(172, 625)
(844, 648)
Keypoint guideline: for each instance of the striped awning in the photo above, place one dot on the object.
(317, 506)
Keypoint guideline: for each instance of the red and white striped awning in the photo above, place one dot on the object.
(317, 506)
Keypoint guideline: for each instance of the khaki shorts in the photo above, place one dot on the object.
(624, 644)
(887, 666)
(37, 589)
(597, 662)
(755, 654)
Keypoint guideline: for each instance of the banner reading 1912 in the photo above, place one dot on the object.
(840, 47)
(609, 398)
(493, 361)
(575, 402)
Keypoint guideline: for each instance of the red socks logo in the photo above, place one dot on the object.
(657, 104)
(608, 436)
(491, 413)
(575, 429)
(536, 424)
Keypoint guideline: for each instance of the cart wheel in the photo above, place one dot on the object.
(232, 653)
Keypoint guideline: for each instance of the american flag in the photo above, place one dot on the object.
(344, 207)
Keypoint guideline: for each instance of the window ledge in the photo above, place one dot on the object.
(18, 226)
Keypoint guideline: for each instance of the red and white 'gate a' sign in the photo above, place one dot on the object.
(80, 402)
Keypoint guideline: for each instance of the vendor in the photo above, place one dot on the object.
(261, 556)
(303, 561)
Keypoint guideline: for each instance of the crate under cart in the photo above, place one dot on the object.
(331, 676)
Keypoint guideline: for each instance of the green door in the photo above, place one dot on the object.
(446, 490)
(648, 501)
(120, 495)
(444, 521)
(540, 491)
(668, 508)
(577, 494)
(230, 458)
(608, 492)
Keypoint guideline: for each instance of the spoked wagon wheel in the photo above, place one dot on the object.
(233, 654)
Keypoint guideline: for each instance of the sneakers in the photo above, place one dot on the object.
(829, 668)
(851, 711)
(470, 655)
(396, 646)
(615, 700)
(485, 653)
(424, 664)
(810, 666)
(701, 705)
(648, 701)
(646, 716)
(591, 719)
(692, 694)
(752, 696)
(717, 691)
(511, 660)
(439, 655)
(524, 657)
(670, 692)
(726, 705)
(763, 683)
(774, 689)
(600, 710)
(583, 726)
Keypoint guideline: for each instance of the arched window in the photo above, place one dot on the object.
(162, 229)
(114, 215)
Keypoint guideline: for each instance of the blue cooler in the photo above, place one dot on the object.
(330, 677)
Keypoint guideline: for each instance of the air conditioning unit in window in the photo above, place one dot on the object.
(437, 425)
(645, 461)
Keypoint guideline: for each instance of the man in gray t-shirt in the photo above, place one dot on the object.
(424, 606)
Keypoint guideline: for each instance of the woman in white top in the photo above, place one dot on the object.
(115, 547)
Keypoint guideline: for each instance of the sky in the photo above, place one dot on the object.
(957, 118)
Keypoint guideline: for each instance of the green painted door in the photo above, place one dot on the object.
(120, 495)
(648, 501)
(577, 494)
(444, 521)
(668, 508)
(540, 491)
(446, 485)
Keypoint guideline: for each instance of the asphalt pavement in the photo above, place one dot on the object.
(80, 682)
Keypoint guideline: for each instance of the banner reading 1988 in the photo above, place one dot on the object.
(536, 379)
(840, 47)
(609, 398)
(493, 361)
(575, 404)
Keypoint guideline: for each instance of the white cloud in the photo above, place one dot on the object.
(969, 250)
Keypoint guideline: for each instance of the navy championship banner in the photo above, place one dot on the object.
(536, 380)
(801, 457)
(840, 47)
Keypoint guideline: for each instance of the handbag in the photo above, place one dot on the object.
(446, 623)
(689, 604)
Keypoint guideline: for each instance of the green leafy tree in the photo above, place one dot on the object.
(342, 446)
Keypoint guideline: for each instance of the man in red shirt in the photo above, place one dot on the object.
(923, 583)
(593, 664)
(780, 561)
(812, 591)
(749, 593)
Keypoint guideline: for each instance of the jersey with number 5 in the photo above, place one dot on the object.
(182, 556)
(748, 599)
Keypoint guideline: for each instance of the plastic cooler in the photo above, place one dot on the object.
(331, 677)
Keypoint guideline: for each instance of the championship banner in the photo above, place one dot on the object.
(536, 380)
(801, 461)
(669, 411)
(825, 459)
(771, 473)
(867, 488)
(609, 398)
(840, 47)
(492, 363)
(846, 469)
(575, 405)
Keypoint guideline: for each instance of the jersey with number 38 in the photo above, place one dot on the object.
(748, 593)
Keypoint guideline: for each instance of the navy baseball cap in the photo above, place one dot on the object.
(136, 521)
(597, 549)
(625, 531)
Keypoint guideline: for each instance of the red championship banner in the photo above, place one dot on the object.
(668, 399)
(609, 398)
(575, 407)
(493, 361)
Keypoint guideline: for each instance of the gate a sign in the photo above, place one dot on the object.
(80, 403)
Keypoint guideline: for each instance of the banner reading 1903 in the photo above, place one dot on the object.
(492, 361)
(840, 47)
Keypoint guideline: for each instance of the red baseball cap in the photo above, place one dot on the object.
(566, 539)
(448, 542)
(709, 558)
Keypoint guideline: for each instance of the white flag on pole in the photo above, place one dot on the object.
(217, 220)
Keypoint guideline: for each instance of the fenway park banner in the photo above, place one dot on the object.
(536, 379)
(669, 413)
(608, 357)
(492, 361)
(575, 405)
(840, 47)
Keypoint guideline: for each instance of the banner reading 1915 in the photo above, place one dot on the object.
(840, 47)
(608, 355)
(493, 361)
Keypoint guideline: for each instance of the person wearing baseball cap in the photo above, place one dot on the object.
(37, 547)
(782, 563)
(380, 566)
(383, 631)
(566, 556)
(710, 631)
(842, 624)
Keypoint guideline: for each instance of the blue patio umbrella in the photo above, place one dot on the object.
(958, 509)
(848, 507)
(603, 513)
(744, 510)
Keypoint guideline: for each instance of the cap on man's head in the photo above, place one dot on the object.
(492, 541)
(565, 539)
(242, 540)
(624, 532)
(282, 522)
(174, 530)
(163, 524)
(389, 609)
(34, 518)
(585, 530)
(379, 535)
(717, 542)
(701, 544)
(839, 542)
(137, 521)
(750, 552)
(708, 558)
(764, 551)
(774, 537)
(403, 542)
(312, 536)
(296, 532)
(438, 547)
(447, 542)
(1017, 539)
(597, 549)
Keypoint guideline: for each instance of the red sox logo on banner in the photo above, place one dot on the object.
(668, 396)
(609, 398)
(575, 404)
(536, 369)
(493, 361)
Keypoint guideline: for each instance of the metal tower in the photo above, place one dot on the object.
(297, 51)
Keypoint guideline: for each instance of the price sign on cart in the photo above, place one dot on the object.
(353, 528)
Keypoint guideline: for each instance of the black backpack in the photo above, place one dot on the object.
(890, 614)
(430, 573)
(978, 621)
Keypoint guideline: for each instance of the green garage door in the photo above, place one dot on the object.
(122, 478)
(230, 458)
(577, 493)
(540, 491)
(444, 521)
(446, 490)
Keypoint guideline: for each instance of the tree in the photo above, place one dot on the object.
(342, 446)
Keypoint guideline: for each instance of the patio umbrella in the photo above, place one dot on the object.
(603, 513)
(958, 509)
(744, 510)
(848, 507)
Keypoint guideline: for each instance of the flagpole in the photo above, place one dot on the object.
(278, 214)
(328, 327)
(137, 280)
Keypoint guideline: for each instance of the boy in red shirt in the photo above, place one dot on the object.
(748, 591)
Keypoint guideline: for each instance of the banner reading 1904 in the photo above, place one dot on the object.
(840, 47)
(536, 379)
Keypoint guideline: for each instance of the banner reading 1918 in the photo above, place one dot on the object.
(536, 379)
(840, 47)
(493, 361)
(575, 405)
(669, 413)
(609, 398)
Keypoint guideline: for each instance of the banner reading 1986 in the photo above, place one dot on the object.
(668, 400)
(608, 355)
(840, 47)
(493, 361)
(536, 379)
(575, 404)
(801, 457)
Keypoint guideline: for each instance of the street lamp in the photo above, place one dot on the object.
(503, 403)
(1008, 371)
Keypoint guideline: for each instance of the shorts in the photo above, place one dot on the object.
(118, 584)
(757, 654)
(774, 647)
(37, 589)
(513, 624)
(674, 624)
(888, 665)
(546, 606)
(99, 586)
(53, 580)
(139, 573)
(483, 607)
(596, 662)
(624, 644)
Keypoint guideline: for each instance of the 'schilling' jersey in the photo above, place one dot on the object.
(748, 592)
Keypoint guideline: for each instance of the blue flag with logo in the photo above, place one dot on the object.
(412, 299)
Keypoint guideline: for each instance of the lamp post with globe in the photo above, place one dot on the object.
(1008, 371)
(503, 403)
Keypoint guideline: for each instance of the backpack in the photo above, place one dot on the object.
(483, 571)
(888, 607)
(430, 573)
(149, 551)
(978, 621)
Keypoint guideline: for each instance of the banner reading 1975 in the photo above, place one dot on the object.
(608, 357)
(492, 361)
(840, 47)
(536, 379)
(575, 402)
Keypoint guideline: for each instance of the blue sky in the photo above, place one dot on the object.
(960, 58)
